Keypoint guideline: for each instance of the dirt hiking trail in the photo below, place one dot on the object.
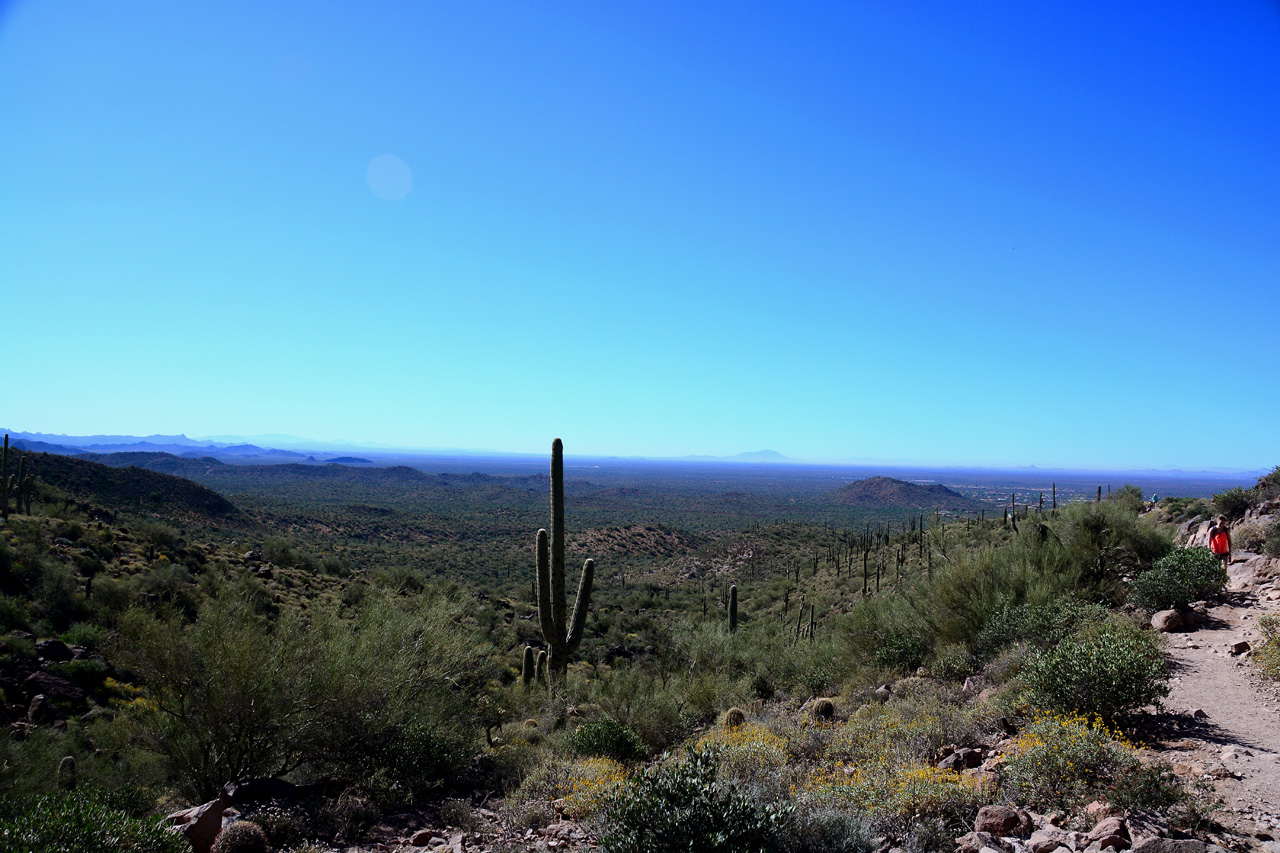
(1234, 740)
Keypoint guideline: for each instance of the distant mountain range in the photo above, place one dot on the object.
(751, 456)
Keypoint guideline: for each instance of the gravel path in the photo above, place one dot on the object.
(1237, 742)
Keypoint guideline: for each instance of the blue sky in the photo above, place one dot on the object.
(996, 233)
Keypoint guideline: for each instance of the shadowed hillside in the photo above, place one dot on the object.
(134, 488)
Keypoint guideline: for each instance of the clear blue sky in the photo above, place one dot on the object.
(969, 233)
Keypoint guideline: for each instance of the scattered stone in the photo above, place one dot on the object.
(1240, 647)
(1168, 845)
(1199, 714)
(424, 837)
(1046, 839)
(1166, 621)
(975, 842)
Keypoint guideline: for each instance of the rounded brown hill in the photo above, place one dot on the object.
(888, 493)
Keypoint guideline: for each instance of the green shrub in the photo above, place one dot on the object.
(13, 613)
(78, 821)
(382, 700)
(1271, 547)
(1268, 486)
(88, 675)
(1062, 761)
(1111, 669)
(681, 806)
(1176, 580)
(1233, 502)
(901, 650)
(607, 738)
(83, 634)
(1249, 536)
(1040, 625)
(1267, 653)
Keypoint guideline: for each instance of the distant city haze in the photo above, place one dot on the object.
(999, 234)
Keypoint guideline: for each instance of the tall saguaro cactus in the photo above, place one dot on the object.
(563, 634)
(4, 480)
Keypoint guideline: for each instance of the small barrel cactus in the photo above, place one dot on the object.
(733, 718)
(822, 709)
(68, 773)
(241, 837)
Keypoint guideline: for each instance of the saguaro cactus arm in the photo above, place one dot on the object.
(580, 605)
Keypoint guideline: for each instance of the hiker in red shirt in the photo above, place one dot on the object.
(1220, 540)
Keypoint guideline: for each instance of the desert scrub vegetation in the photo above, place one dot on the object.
(378, 698)
(1111, 669)
(682, 804)
(80, 820)
(1177, 579)
(1267, 653)
(1063, 761)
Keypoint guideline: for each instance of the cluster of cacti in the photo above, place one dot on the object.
(527, 667)
(562, 634)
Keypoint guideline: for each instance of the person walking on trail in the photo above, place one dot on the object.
(1220, 540)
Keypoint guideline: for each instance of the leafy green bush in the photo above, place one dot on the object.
(1111, 669)
(85, 819)
(607, 738)
(681, 806)
(1176, 580)
(1233, 502)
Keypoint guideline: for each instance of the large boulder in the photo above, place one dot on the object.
(1109, 832)
(259, 791)
(1002, 821)
(200, 825)
(41, 711)
(53, 687)
(1165, 621)
(54, 650)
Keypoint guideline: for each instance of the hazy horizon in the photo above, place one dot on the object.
(333, 447)
(976, 235)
